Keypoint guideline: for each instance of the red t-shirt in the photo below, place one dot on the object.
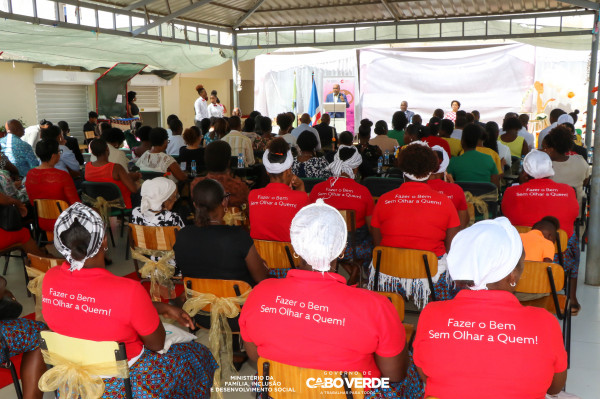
(344, 193)
(53, 184)
(316, 321)
(272, 209)
(451, 190)
(435, 140)
(485, 344)
(104, 174)
(528, 203)
(415, 216)
(95, 304)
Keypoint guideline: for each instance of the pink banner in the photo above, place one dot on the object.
(347, 89)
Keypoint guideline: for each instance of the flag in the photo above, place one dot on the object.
(295, 103)
(314, 109)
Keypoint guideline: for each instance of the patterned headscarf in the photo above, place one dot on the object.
(90, 220)
(338, 166)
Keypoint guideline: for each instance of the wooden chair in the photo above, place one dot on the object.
(398, 303)
(219, 288)
(560, 246)
(89, 136)
(85, 352)
(298, 378)
(9, 365)
(47, 209)
(160, 238)
(277, 254)
(405, 263)
(42, 264)
(548, 278)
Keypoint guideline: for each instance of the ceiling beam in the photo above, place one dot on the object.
(138, 4)
(583, 3)
(247, 15)
(169, 17)
(393, 13)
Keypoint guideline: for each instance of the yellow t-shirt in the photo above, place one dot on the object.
(455, 146)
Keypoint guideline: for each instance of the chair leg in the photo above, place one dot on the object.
(15, 378)
(7, 256)
(122, 222)
(127, 247)
(23, 255)
(112, 238)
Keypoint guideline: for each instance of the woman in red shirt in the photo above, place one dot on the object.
(85, 306)
(416, 216)
(47, 182)
(103, 171)
(364, 333)
(439, 181)
(342, 192)
(484, 343)
(272, 208)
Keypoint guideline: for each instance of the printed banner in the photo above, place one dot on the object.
(347, 88)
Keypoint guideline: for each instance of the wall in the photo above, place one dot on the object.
(18, 96)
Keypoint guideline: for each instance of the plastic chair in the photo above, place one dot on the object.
(161, 238)
(405, 263)
(479, 189)
(276, 254)
(297, 380)
(398, 303)
(85, 352)
(310, 182)
(47, 209)
(378, 186)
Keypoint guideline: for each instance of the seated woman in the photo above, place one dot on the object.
(307, 164)
(192, 151)
(103, 171)
(114, 137)
(272, 208)
(416, 216)
(21, 238)
(143, 134)
(377, 345)
(510, 138)
(370, 153)
(528, 362)
(47, 182)
(442, 183)
(385, 143)
(219, 130)
(342, 192)
(217, 158)
(185, 371)
(157, 160)
(266, 127)
(158, 197)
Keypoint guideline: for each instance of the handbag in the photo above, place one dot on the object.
(10, 218)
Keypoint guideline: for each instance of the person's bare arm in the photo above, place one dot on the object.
(394, 367)
(525, 149)
(376, 233)
(422, 375)
(558, 382)
(256, 265)
(450, 233)
(177, 172)
(496, 180)
(156, 340)
(119, 173)
(368, 223)
(251, 351)
(297, 184)
(463, 216)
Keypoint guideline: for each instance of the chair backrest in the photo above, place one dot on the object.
(535, 280)
(349, 216)
(159, 238)
(149, 174)
(43, 264)
(405, 263)
(49, 209)
(378, 186)
(562, 236)
(298, 380)
(310, 182)
(397, 301)
(277, 254)
(82, 351)
(90, 134)
(219, 288)
(478, 189)
(108, 191)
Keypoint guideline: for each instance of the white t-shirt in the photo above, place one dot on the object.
(572, 172)
(529, 139)
(155, 162)
(215, 110)
(201, 109)
(175, 143)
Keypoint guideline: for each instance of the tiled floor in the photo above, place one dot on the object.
(583, 379)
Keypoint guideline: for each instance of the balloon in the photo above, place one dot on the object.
(570, 94)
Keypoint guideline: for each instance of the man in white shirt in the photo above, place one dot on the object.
(554, 115)
(239, 143)
(33, 133)
(304, 126)
(404, 108)
(200, 106)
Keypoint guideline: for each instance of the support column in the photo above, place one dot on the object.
(590, 108)
(235, 69)
(592, 264)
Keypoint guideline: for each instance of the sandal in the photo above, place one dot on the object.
(575, 309)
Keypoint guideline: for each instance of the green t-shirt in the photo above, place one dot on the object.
(472, 166)
(398, 135)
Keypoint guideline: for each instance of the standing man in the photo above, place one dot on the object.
(404, 108)
(337, 97)
(201, 106)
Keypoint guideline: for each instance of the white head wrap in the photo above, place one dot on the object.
(318, 234)
(565, 118)
(445, 158)
(154, 193)
(338, 166)
(538, 164)
(275, 167)
(90, 220)
(485, 252)
(415, 178)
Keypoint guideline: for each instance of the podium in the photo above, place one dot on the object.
(336, 109)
